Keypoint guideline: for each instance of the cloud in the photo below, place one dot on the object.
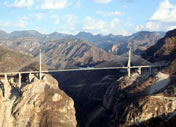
(54, 4)
(78, 4)
(172, 27)
(21, 24)
(57, 21)
(23, 3)
(105, 27)
(163, 19)
(17, 24)
(7, 24)
(150, 25)
(92, 24)
(39, 16)
(70, 22)
(109, 14)
(56, 18)
(165, 13)
(102, 1)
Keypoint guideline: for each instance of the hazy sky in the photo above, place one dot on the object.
(96, 16)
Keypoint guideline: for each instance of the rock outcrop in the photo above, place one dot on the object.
(35, 104)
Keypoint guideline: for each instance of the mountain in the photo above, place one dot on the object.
(58, 36)
(143, 40)
(3, 34)
(61, 53)
(101, 41)
(59, 50)
(71, 53)
(23, 34)
(118, 44)
(165, 48)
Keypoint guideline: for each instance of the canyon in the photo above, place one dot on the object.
(104, 98)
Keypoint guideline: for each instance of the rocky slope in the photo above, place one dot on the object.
(58, 50)
(35, 104)
(164, 48)
(73, 53)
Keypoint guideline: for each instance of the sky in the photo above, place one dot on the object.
(118, 17)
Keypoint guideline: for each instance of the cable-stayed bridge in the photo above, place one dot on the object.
(11, 75)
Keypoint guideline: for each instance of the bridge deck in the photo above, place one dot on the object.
(80, 69)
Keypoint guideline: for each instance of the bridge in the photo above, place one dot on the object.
(39, 74)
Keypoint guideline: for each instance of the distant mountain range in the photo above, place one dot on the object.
(117, 44)
(83, 49)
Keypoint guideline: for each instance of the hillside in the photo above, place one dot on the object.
(61, 53)
(164, 48)
(71, 53)
(11, 60)
(118, 44)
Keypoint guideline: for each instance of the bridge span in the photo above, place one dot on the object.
(39, 74)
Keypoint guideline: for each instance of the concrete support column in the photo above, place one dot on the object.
(5, 77)
(129, 71)
(160, 68)
(19, 80)
(12, 79)
(139, 70)
(30, 77)
(150, 70)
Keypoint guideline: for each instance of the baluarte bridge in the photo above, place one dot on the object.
(27, 76)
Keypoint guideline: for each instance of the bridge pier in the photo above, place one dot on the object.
(30, 77)
(19, 80)
(129, 72)
(150, 70)
(12, 79)
(160, 68)
(139, 70)
(5, 77)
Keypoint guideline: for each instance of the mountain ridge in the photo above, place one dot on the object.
(116, 44)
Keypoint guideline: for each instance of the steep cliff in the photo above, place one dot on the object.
(35, 104)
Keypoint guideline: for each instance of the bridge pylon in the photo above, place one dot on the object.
(129, 63)
(40, 65)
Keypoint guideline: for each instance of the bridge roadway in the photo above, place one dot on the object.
(83, 69)
(11, 75)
